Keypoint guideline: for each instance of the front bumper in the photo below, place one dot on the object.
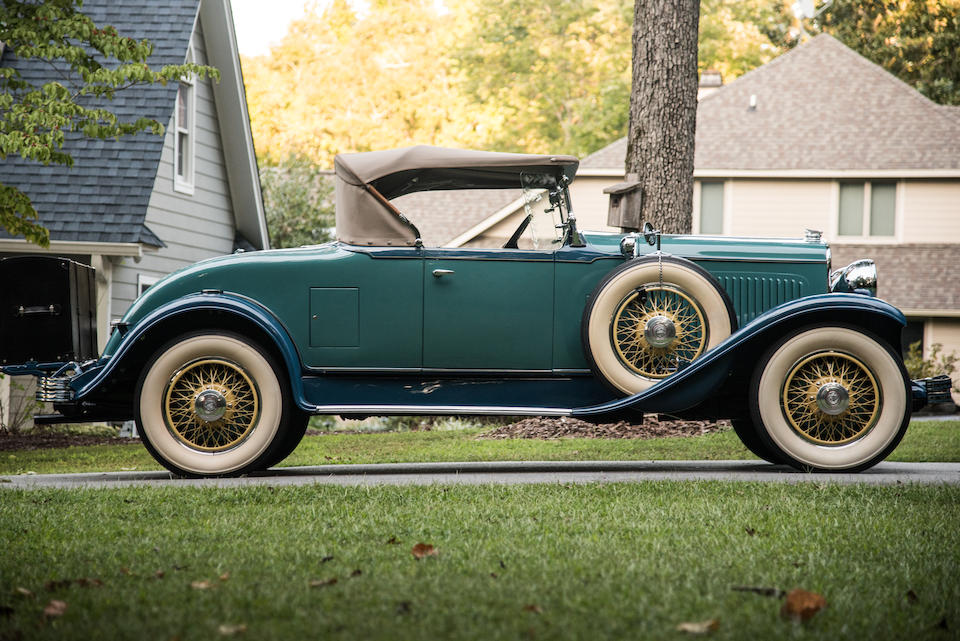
(928, 391)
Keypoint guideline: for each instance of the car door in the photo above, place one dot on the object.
(488, 309)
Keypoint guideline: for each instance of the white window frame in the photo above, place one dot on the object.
(865, 237)
(726, 215)
(186, 184)
(144, 282)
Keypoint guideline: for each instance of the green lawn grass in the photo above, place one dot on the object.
(598, 561)
(925, 441)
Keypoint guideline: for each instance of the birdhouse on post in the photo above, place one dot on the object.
(626, 199)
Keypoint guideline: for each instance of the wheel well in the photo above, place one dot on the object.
(119, 388)
(734, 390)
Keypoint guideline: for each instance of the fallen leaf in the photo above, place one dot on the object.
(231, 630)
(801, 605)
(159, 574)
(533, 607)
(911, 596)
(225, 576)
(55, 608)
(52, 586)
(89, 583)
(320, 583)
(201, 585)
(421, 550)
(326, 559)
(749, 530)
(699, 627)
(774, 592)
(392, 541)
(24, 591)
(356, 573)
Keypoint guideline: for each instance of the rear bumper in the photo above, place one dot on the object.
(929, 391)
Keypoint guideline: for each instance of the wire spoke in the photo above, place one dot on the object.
(236, 390)
(809, 376)
(638, 309)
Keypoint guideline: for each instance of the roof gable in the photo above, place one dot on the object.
(104, 196)
(820, 106)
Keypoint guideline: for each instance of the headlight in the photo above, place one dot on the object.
(859, 276)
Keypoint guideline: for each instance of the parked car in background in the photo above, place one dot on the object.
(222, 363)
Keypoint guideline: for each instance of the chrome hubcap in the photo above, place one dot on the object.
(833, 399)
(659, 332)
(210, 405)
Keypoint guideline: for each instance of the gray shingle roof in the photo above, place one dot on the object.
(911, 276)
(820, 106)
(104, 196)
(441, 216)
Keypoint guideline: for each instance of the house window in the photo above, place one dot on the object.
(867, 208)
(144, 283)
(183, 145)
(711, 208)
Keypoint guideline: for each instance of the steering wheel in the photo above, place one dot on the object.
(514, 239)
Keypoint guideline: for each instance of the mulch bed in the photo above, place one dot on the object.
(47, 440)
(564, 427)
(534, 427)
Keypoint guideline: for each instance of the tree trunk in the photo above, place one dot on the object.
(663, 110)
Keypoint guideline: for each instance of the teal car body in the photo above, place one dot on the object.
(593, 325)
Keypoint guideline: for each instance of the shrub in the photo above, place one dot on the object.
(935, 363)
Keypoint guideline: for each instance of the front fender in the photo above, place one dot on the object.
(153, 324)
(738, 355)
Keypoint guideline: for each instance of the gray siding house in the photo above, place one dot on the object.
(143, 206)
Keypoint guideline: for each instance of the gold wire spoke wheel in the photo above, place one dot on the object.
(643, 309)
(806, 391)
(232, 413)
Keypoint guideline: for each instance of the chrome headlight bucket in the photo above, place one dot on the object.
(859, 276)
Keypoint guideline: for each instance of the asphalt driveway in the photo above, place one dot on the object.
(887, 473)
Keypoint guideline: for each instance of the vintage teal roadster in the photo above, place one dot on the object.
(222, 363)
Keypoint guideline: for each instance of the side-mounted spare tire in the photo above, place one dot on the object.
(650, 317)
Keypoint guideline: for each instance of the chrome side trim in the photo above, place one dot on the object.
(439, 409)
(700, 259)
(317, 371)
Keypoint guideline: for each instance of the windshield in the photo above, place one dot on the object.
(545, 219)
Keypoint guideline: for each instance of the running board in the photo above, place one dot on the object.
(450, 410)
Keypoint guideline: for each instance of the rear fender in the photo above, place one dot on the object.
(730, 364)
(212, 310)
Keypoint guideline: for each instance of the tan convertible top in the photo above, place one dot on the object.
(366, 182)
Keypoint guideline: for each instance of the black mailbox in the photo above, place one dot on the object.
(626, 199)
(48, 310)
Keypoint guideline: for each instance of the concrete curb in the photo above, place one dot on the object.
(508, 472)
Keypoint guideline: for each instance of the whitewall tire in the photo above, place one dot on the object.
(211, 405)
(648, 317)
(831, 398)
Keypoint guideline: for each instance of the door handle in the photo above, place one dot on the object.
(437, 273)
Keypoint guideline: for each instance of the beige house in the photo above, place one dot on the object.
(818, 138)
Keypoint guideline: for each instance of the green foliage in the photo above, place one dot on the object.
(298, 202)
(91, 64)
(555, 75)
(521, 75)
(934, 364)
(916, 40)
